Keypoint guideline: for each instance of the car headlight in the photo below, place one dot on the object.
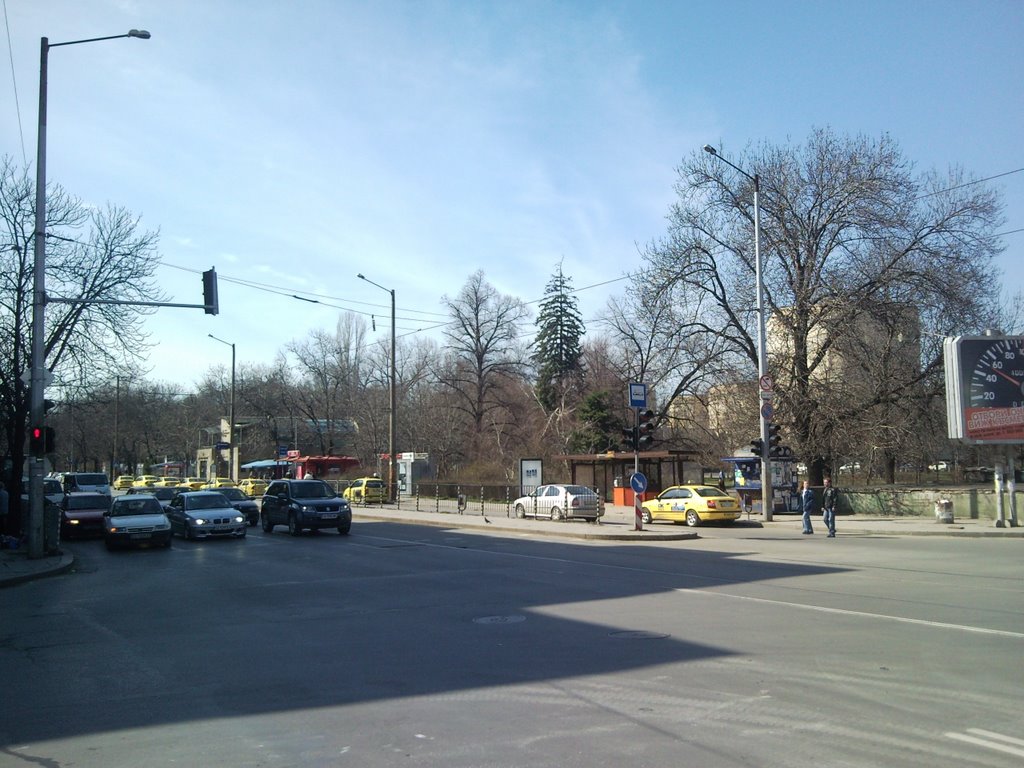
(198, 521)
(239, 519)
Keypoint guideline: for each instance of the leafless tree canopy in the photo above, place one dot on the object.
(851, 237)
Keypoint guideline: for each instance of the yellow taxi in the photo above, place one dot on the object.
(219, 482)
(252, 486)
(123, 482)
(366, 490)
(691, 504)
(169, 481)
(145, 481)
(194, 483)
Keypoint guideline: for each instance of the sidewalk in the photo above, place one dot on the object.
(16, 567)
(618, 524)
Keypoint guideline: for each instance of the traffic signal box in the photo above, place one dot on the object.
(757, 447)
(629, 438)
(41, 441)
(210, 304)
(645, 430)
(774, 438)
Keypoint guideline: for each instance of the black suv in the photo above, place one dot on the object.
(302, 504)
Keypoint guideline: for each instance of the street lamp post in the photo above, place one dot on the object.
(762, 356)
(392, 418)
(38, 366)
(232, 448)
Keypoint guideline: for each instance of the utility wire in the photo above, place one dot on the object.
(14, 80)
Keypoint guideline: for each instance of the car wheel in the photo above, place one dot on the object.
(185, 532)
(520, 511)
(556, 513)
(268, 527)
(645, 516)
(344, 529)
(293, 525)
(692, 518)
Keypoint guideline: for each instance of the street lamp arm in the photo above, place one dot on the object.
(714, 152)
(139, 33)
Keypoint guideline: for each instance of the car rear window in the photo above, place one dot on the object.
(711, 493)
(579, 490)
(91, 478)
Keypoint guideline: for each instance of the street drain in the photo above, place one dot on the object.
(638, 634)
(515, 619)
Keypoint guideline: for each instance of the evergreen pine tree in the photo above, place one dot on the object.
(558, 351)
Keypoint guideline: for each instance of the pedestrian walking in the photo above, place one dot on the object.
(807, 502)
(829, 499)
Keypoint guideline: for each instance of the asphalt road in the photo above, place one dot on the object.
(415, 646)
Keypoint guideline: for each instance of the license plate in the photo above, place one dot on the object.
(329, 517)
(140, 536)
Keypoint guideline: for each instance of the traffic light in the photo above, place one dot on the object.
(774, 438)
(757, 446)
(645, 431)
(37, 442)
(41, 441)
(210, 305)
(629, 438)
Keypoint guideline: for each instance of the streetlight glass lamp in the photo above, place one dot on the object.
(392, 418)
(767, 502)
(37, 370)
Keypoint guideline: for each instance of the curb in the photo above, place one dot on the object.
(62, 564)
(601, 532)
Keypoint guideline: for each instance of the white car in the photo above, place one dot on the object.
(136, 520)
(560, 502)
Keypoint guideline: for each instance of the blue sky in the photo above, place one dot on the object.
(297, 144)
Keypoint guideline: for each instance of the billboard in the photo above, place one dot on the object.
(985, 388)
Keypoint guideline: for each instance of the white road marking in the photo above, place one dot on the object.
(865, 614)
(991, 740)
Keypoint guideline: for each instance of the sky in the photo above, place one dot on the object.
(294, 145)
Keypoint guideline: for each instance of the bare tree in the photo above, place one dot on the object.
(853, 241)
(484, 358)
(92, 256)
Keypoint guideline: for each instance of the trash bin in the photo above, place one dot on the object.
(944, 511)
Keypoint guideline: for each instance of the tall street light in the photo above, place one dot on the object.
(393, 457)
(762, 357)
(38, 367)
(232, 448)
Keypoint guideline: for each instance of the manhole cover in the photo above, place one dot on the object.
(638, 634)
(499, 620)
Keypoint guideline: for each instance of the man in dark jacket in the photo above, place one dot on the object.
(829, 499)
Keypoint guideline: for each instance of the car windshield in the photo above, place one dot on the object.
(91, 478)
(52, 486)
(312, 489)
(232, 494)
(87, 502)
(210, 501)
(164, 493)
(135, 506)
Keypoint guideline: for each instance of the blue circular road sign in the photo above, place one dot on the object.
(638, 482)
